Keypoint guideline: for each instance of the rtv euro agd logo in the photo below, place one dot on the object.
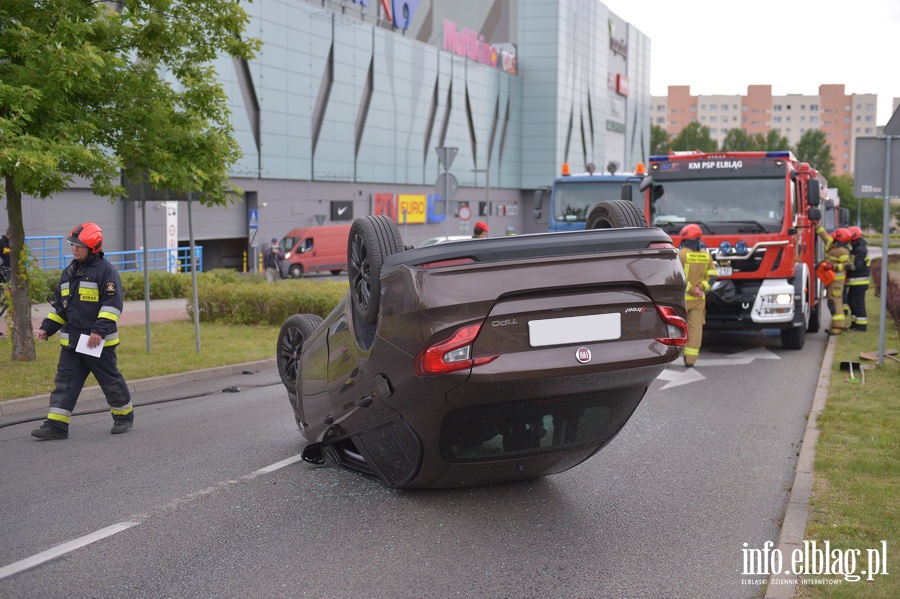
(398, 12)
(816, 559)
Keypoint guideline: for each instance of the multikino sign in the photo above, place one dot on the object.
(469, 44)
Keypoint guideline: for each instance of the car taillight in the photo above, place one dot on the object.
(676, 327)
(451, 354)
(661, 244)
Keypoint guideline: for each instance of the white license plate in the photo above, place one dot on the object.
(575, 329)
(724, 271)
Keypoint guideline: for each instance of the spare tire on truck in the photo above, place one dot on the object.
(372, 239)
(614, 214)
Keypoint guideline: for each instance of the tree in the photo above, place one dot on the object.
(92, 91)
(694, 137)
(773, 141)
(737, 140)
(813, 149)
(659, 141)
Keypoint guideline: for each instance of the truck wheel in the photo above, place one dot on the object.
(295, 330)
(815, 318)
(296, 271)
(372, 239)
(793, 338)
(615, 214)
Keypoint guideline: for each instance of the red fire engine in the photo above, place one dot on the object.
(758, 212)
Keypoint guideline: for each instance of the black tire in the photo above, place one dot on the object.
(615, 214)
(793, 338)
(815, 318)
(295, 330)
(335, 272)
(296, 271)
(372, 239)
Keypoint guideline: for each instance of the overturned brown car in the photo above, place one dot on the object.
(488, 360)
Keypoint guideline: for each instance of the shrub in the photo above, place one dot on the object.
(163, 285)
(892, 301)
(249, 304)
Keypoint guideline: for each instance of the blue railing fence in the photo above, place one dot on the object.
(48, 251)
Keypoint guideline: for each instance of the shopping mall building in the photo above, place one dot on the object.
(342, 113)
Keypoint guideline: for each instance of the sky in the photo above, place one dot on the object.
(792, 45)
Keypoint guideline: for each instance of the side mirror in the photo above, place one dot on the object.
(814, 214)
(626, 192)
(812, 192)
(538, 201)
(645, 183)
(845, 216)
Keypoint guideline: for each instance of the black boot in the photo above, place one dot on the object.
(49, 433)
(121, 426)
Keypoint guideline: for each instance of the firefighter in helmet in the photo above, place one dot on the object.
(86, 307)
(700, 272)
(858, 280)
(837, 258)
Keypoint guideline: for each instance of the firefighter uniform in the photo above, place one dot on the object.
(858, 283)
(700, 272)
(837, 255)
(88, 300)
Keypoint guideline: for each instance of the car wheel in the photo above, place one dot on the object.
(614, 214)
(295, 330)
(335, 272)
(372, 239)
(296, 271)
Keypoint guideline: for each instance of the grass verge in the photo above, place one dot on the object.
(856, 491)
(172, 350)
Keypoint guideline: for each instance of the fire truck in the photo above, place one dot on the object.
(573, 196)
(758, 212)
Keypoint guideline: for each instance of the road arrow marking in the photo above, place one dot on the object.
(679, 377)
(744, 357)
(676, 378)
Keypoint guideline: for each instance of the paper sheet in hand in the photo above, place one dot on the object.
(83, 348)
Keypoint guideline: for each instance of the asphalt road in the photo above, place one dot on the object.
(209, 502)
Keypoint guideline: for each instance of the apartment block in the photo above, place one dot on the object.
(841, 116)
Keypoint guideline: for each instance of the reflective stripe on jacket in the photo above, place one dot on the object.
(698, 270)
(88, 299)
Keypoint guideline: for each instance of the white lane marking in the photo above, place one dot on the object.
(53, 553)
(278, 465)
(69, 546)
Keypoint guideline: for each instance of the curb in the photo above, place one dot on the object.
(35, 402)
(793, 527)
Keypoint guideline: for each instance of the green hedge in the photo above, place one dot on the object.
(223, 295)
(167, 285)
(249, 304)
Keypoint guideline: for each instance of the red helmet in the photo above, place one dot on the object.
(87, 235)
(691, 231)
(842, 235)
(855, 233)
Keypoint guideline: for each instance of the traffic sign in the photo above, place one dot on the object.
(446, 186)
(254, 219)
(464, 212)
(893, 125)
(446, 156)
(869, 177)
